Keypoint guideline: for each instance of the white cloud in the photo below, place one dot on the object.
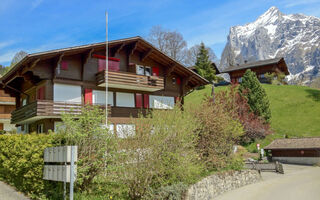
(5, 44)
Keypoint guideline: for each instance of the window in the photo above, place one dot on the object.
(240, 79)
(67, 93)
(174, 81)
(161, 102)
(99, 97)
(125, 130)
(140, 69)
(125, 99)
(40, 128)
(24, 101)
(148, 71)
(144, 70)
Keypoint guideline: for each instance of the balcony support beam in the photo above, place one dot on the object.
(145, 55)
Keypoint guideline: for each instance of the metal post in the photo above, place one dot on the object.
(107, 66)
(65, 184)
(71, 172)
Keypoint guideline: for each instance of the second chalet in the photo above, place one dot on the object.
(140, 77)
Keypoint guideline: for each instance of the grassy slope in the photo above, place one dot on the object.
(295, 110)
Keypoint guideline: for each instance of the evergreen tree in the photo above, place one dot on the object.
(203, 64)
(257, 98)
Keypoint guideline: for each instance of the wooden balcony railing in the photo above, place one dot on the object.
(44, 108)
(128, 80)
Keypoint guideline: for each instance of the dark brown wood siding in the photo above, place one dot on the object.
(296, 153)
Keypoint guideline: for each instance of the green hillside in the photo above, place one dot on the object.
(295, 110)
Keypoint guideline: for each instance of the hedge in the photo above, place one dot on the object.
(21, 162)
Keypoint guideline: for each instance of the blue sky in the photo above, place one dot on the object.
(39, 25)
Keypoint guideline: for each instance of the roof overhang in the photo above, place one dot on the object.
(196, 79)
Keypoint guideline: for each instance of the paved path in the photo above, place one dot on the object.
(8, 193)
(298, 183)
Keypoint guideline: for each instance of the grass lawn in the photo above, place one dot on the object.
(295, 110)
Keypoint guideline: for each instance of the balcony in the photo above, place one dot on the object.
(42, 109)
(131, 81)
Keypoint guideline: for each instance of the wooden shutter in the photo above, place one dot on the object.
(64, 65)
(40, 95)
(155, 71)
(138, 100)
(88, 96)
(178, 80)
(145, 100)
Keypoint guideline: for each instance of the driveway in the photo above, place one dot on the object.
(8, 193)
(298, 183)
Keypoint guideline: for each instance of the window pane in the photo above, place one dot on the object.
(140, 70)
(161, 102)
(67, 93)
(99, 97)
(125, 99)
(148, 71)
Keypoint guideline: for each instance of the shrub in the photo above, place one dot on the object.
(256, 96)
(254, 126)
(97, 146)
(161, 153)
(170, 192)
(21, 162)
(218, 132)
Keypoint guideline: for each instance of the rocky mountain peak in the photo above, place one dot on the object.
(296, 37)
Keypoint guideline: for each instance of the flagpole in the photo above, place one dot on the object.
(106, 70)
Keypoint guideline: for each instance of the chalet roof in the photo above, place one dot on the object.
(295, 143)
(193, 68)
(83, 48)
(256, 64)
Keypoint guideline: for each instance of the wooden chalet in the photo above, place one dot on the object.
(276, 65)
(295, 150)
(7, 105)
(140, 77)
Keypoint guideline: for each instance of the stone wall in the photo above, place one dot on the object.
(216, 184)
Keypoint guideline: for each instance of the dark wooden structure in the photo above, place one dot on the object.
(41, 83)
(295, 150)
(7, 105)
(276, 65)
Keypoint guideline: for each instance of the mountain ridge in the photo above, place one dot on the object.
(296, 37)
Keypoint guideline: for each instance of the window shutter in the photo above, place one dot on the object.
(88, 96)
(177, 99)
(138, 100)
(40, 93)
(178, 81)
(64, 65)
(145, 100)
(155, 71)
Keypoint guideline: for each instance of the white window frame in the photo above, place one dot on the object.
(67, 93)
(99, 97)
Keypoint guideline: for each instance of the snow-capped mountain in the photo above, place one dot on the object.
(296, 37)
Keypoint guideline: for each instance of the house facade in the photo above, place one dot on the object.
(276, 65)
(7, 105)
(295, 150)
(140, 78)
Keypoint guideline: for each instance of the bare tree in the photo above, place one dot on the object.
(169, 42)
(191, 55)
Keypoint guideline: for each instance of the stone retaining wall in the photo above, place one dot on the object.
(216, 184)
